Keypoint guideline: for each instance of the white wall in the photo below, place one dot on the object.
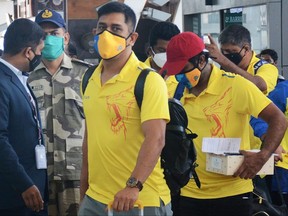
(5, 8)
(178, 19)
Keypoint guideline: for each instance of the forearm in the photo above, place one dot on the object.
(275, 133)
(229, 66)
(274, 136)
(147, 158)
(154, 133)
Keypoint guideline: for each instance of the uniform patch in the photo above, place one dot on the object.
(37, 88)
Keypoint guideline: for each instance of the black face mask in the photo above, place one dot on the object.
(34, 62)
(236, 58)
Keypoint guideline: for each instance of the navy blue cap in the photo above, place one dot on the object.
(48, 15)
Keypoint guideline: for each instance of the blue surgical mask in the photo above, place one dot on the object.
(54, 47)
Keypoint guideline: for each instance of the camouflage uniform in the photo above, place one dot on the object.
(61, 111)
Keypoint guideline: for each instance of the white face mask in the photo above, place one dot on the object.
(159, 58)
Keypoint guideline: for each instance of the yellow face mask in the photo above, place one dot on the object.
(189, 79)
(109, 45)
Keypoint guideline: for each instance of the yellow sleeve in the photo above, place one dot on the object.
(155, 99)
(269, 73)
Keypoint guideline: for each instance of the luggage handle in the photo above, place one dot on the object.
(138, 203)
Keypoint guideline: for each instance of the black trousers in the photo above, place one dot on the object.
(239, 205)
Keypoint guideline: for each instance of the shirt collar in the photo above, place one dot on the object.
(17, 72)
(254, 60)
(11, 67)
(125, 74)
(66, 63)
(213, 87)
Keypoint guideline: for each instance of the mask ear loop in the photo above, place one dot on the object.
(127, 39)
(196, 61)
(153, 52)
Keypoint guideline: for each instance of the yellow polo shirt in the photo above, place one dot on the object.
(268, 72)
(223, 109)
(114, 132)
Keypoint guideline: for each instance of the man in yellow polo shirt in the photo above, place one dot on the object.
(122, 144)
(236, 56)
(219, 105)
(160, 35)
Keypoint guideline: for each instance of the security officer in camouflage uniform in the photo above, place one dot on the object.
(56, 84)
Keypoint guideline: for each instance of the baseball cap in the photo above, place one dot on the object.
(48, 15)
(180, 49)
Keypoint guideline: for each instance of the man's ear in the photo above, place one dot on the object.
(26, 52)
(202, 60)
(149, 51)
(247, 47)
(66, 38)
(133, 37)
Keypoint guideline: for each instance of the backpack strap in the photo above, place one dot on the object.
(179, 91)
(87, 76)
(139, 86)
(259, 64)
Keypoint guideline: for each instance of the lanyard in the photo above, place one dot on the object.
(35, 117)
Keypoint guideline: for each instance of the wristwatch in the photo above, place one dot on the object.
(132, 182)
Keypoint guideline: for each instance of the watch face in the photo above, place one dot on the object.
(132, 182)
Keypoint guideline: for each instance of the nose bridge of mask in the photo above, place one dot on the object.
(109, 45)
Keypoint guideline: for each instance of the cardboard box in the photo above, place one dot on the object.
(228, 164)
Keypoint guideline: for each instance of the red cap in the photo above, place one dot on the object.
(180, 49)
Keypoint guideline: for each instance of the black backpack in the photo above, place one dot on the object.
(178, 157)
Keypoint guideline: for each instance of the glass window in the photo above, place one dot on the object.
(210, 23)
(254, 19)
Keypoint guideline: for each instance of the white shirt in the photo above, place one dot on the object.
(21, 77)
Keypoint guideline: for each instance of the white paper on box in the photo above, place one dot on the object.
(221, 145)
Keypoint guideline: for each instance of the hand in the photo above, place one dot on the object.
(125, 199)
(252, 164)
(33, 199)
(214, 51)
(279, 151)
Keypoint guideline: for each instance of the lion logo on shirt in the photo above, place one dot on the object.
(120, 105)
(217, 114)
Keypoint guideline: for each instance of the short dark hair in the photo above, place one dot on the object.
(162, 31)
(20, 34)
(117, 7)
(236, 35)
(270, 52)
